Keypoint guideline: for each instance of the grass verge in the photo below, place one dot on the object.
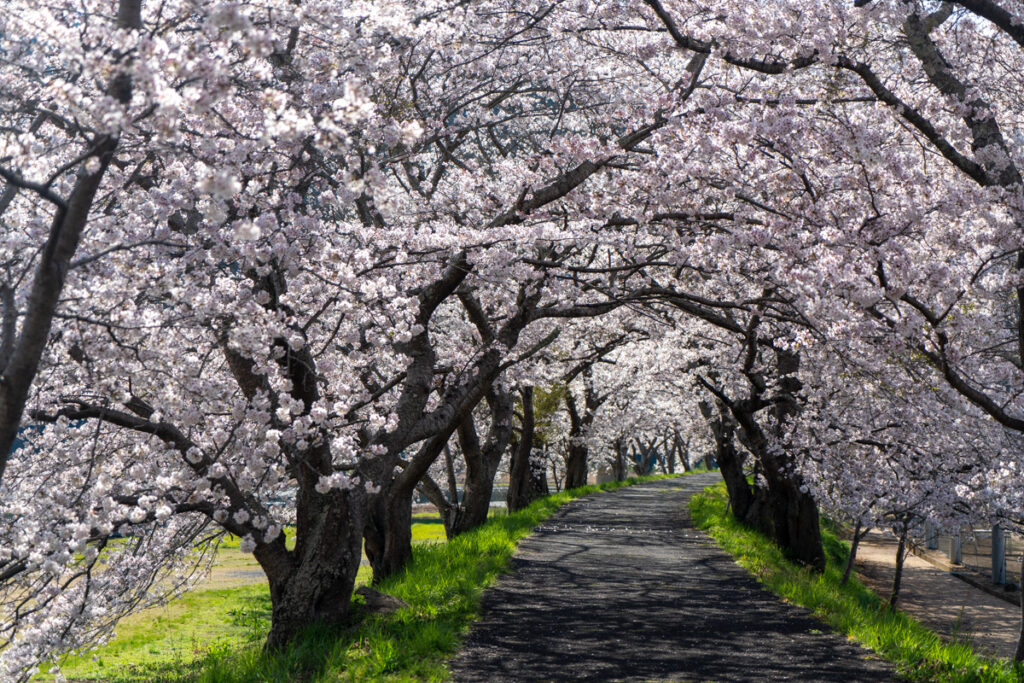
(442, 586)
(918, 653)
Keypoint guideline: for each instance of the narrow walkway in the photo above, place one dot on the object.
(622, 586)
(939, 600)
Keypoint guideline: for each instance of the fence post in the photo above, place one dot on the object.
(998, 555)
(931, 536)
(954, 547)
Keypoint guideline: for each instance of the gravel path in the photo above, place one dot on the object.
(622, 586)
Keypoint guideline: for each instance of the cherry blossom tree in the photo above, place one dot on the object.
(308, 248)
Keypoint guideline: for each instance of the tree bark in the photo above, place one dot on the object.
(709, 461)
(523, 484)
(576, 459)
(314, 582)
(481, 465)
(901, 556)
(619, 466)
(730, 459)
(388, 530)
(796, 526)
(854, 544)
(676, 450)
(783, 510)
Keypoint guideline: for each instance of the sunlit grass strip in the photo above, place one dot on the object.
(919, 653)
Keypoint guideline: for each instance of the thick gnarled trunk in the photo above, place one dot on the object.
(797, 525)
(313, 584)
(388, 533)
(782, 508)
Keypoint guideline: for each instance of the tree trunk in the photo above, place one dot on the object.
(795, 520)
(481, 465)
(554, 471)
(314, 582)
(389, 532)
(576, 459)
(676, 451)
(853, 554)
(472, 511)
(576, 466)
(793, 514)
(619, 464)
(683, 453)
(730, 460)
(901, 556)
(795, 525)
(523, 484)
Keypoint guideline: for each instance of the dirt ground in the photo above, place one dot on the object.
(939, 600)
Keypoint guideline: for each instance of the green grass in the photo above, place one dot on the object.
(853, 609)
(215, 635)
(161, 640)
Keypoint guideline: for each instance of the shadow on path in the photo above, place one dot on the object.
(622, 586)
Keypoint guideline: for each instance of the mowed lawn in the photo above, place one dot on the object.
(231, 607)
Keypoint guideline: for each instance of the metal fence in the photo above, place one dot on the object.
(991, 552)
